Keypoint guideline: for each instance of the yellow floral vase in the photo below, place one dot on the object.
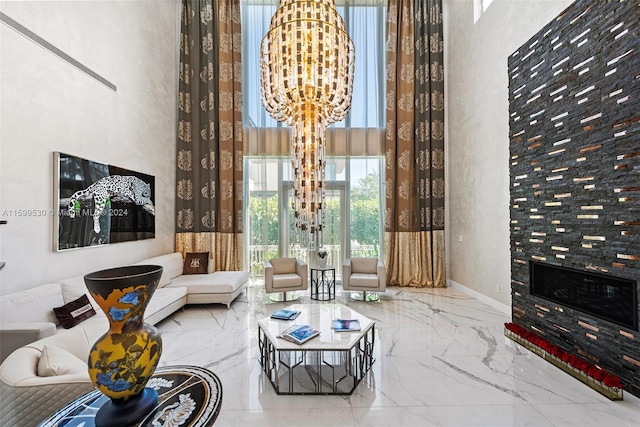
(124, 359)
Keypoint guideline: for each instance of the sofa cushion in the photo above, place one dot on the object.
(74, 312)
(171, 266)
(32, 305)
(364, 265)
(98, 321)
(55, 361)
(196, 263)
(220, 282)
(289, 280)
(363, 280)
(283, 265)
(76, 341)
(164, 297)
(73, 288)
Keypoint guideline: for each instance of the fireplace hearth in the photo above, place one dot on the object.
(603, 296)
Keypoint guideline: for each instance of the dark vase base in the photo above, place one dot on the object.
(119, 413)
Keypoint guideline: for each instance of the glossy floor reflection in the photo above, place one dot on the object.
(441, 360)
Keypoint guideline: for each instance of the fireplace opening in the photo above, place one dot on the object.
(606, 297)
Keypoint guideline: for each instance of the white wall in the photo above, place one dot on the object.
(477, 126)
(48, 105)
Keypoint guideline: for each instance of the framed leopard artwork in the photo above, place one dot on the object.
(98, 204)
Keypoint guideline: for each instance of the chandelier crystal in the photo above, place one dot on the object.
(306, 81)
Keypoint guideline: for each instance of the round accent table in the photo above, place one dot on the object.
(189, 396)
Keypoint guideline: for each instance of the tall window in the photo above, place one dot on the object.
(355, 165)
(479, 7)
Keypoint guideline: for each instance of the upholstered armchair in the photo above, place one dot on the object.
(285, 275)
(364, 275)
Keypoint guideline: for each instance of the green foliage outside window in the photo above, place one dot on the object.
(365, 210)
(263, 220)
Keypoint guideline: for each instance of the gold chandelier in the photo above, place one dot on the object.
(306, 80)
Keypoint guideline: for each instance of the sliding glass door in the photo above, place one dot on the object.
(335, 235)
(353, 215)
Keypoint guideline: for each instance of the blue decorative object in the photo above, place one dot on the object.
(130, 298)
(117, 314)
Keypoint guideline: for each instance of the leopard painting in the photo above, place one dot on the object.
(112, 186)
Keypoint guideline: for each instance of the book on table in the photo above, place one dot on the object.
(299, 334)
(345, 325)
(285, 314)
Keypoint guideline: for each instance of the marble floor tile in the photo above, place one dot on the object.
(441, 360)
(597, 414)
(340, 417)
(469, 415)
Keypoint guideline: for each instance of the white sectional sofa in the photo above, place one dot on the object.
(27, 316)
(215, 287)
(26, 396)
(27, 324)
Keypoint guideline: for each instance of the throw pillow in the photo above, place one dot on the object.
(55, 361)
(73, 313)
(196, 263)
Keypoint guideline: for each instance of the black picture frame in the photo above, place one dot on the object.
(98, 204)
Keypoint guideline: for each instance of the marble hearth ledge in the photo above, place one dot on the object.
(610, 392)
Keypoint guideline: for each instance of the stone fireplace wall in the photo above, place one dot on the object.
(574, 105)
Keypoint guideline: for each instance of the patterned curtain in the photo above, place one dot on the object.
(414, 145)
(209, 143)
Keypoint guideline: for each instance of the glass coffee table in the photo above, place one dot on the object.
(331, 363)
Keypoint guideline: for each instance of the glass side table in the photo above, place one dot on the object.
(323, 283)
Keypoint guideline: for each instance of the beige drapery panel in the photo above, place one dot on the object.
(414, 145)
(209, 143)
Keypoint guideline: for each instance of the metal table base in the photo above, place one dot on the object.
(312, 371)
